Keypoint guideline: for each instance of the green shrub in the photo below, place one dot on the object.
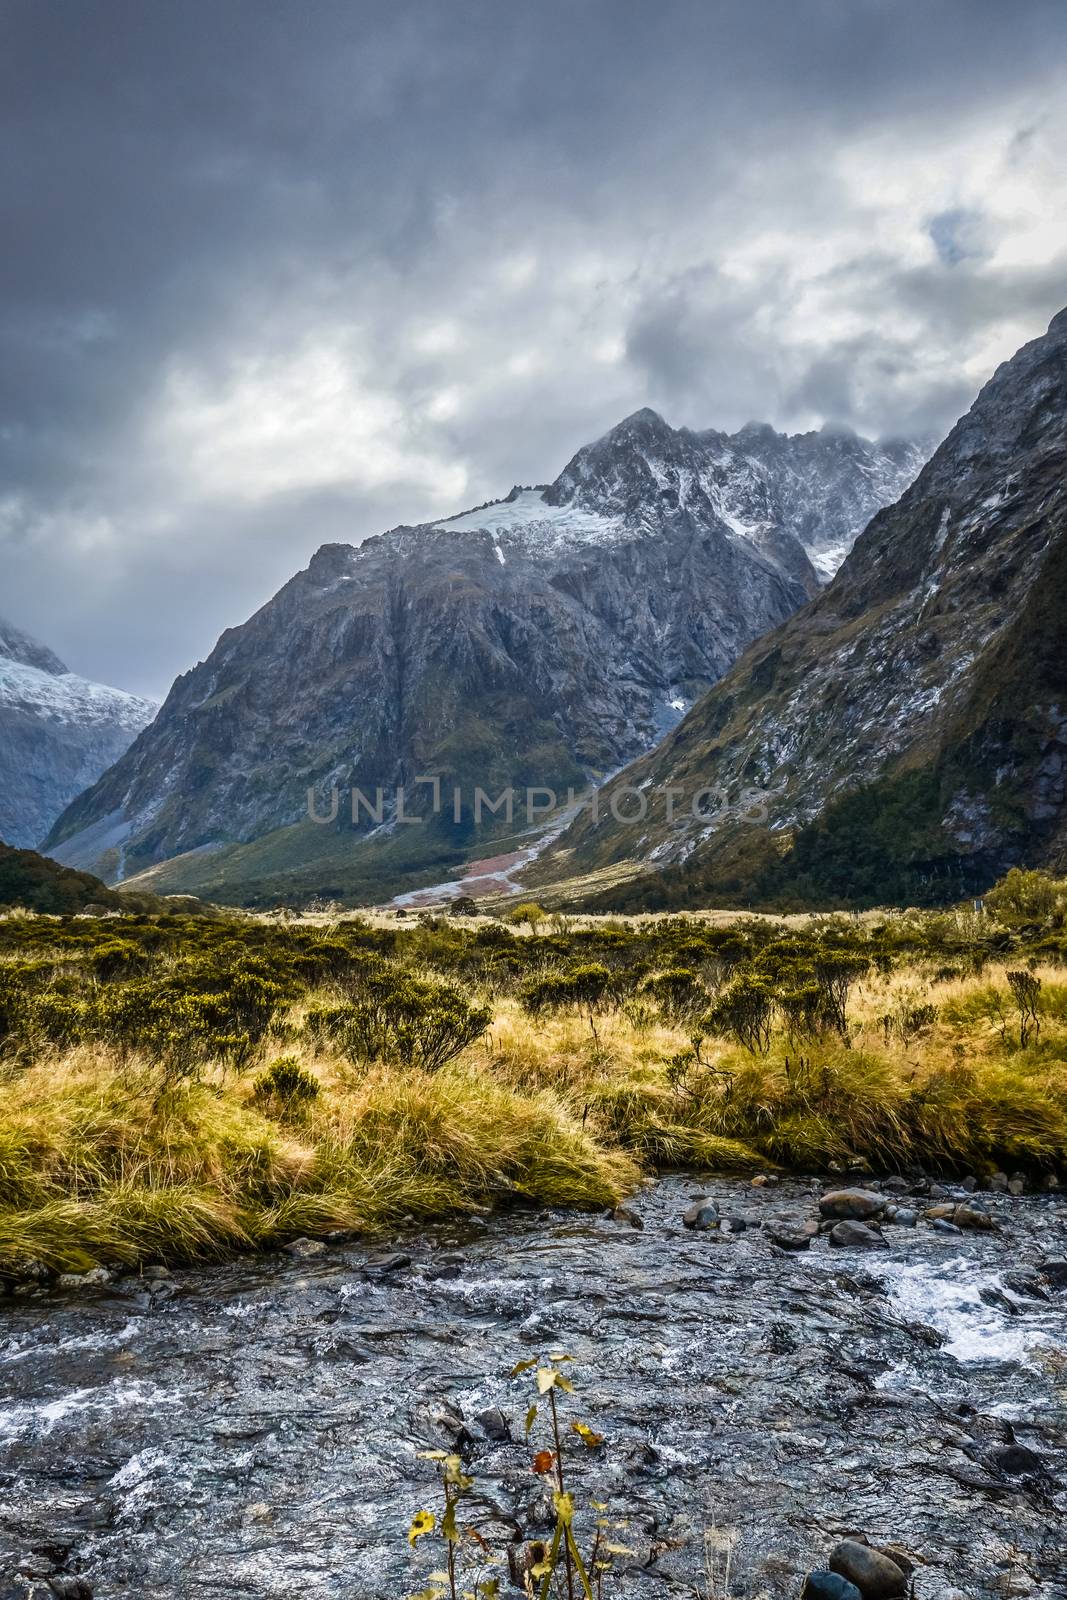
(288, 1083)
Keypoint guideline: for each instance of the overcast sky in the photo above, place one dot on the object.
(277, 272)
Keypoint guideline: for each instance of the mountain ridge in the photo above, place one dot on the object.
(925, 683)
(546, 638)
(58, 733)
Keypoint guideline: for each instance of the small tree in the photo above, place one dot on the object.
(746, 1010)
(1026, 992)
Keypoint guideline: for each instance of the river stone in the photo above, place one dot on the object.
(820, 1585)
(1014, 1460)
(854, 1205)
(902, 1217)
(877, 1577)
(943, 1225)
(896, 1186)
(495, 1423)
(1054, 1273)
(395, 1261)
(627, 1215)
(856, 1236)
(968, 1215)
(302, 1249)
(66, 1588)
(702, 1214)
(793, 1238)
(999, 1183)
(83, 1280)
(973, 1215)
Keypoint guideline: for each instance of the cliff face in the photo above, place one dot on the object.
(58, 733)
(538, 640)
(907, 729)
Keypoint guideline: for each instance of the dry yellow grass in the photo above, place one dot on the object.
(101, 1161)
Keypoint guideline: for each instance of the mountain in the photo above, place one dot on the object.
(58, 733)
(904, 735)
(544, 639)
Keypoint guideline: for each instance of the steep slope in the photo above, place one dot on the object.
(58, 733)
(535, 641)
(903, 736)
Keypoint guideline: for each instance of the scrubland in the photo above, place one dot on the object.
(178, 1088)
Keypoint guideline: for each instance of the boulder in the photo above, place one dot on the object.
(876, 1576)
(853, 1205)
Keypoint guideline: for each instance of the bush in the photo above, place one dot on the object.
(745, 1010)
(1022, 898)
(678, 993)
(395, 1017)
(288, 1083)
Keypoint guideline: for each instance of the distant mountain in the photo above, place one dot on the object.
(58, 733)
(904, 735)
(544, 639)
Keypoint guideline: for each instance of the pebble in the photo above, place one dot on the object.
(876, 1576)
(856, 1236)
(854, 1205)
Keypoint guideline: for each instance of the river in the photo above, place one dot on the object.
(252, 1430)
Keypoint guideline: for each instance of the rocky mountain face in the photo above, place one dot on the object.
(904, 735)
(539, 640)
(58, 733)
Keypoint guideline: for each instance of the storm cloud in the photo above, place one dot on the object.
(278, 273)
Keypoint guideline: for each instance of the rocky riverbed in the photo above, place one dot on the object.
(253, 1430)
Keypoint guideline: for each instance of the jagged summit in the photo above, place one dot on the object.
(27, 651)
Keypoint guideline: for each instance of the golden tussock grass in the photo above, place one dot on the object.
(100, 1160)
